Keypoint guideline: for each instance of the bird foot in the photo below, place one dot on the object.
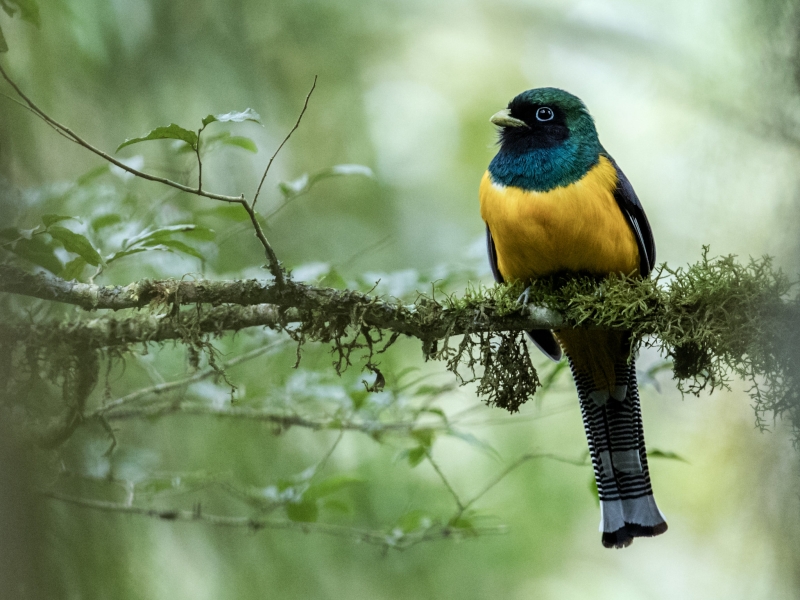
(524, 297)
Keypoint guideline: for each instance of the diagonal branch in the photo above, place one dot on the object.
(74, 137)
(286, 139)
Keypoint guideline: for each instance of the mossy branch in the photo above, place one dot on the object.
(716, 319)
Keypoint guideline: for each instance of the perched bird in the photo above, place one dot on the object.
(556, 203)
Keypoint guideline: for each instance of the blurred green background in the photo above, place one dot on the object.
(699, 102)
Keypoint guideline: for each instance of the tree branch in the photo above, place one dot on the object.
(111, 332)
(249, 303)
(377, 538)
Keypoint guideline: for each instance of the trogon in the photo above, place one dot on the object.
(555, 203)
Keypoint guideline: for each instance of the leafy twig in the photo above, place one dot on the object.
(272, 259)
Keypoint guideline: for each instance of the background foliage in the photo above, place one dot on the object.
(697, 101)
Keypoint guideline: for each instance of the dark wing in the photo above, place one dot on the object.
(632, 209)
(543, 338)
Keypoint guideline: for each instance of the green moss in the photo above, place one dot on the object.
(715, 320)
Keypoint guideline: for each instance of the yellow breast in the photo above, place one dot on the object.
(578, 227)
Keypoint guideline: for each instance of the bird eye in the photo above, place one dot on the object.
(544, 114)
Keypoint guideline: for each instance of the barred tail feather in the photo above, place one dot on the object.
(613, 423)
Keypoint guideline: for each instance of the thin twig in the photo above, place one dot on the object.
(163, 388)
(378, 538)
(199, 161)
(107, 157)
(28, 108)
(502, 475)
(321, 464)
(461, 507)
(286, 139)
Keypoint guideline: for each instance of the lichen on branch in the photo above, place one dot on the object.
(716, 319)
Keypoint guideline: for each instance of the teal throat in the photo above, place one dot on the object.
(543, 169)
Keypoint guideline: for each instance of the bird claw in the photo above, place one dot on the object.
(524, 297)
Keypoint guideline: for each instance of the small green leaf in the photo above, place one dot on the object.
(3, 44)
(104, 221)
(247, 114)
(242, 142)
(53, 219)
(177, 246)
(91, 175)
(349, 170)
(656, 453)
(165, 233)
(333, 280)
(224, 138)
(337, 505)
(170, 132)
(462, 523)
(73, 269)
(305, 182)
(75, 242)
(201, 233)
(305, 511)
(123, 253)
(293, 188)
(415, 455)
(29, 11)
(414, 520)
(358, 398)
(155, 485)
(424, 436)
(331, 484)
(39, 252)
(10, 234)
(434, 411)
(284, 484)
(433, 390)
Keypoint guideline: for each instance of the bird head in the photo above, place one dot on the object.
(545, 118)
(547, 139)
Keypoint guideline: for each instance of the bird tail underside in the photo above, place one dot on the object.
(613, 423)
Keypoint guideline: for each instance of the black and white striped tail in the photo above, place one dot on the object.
(613, 423)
